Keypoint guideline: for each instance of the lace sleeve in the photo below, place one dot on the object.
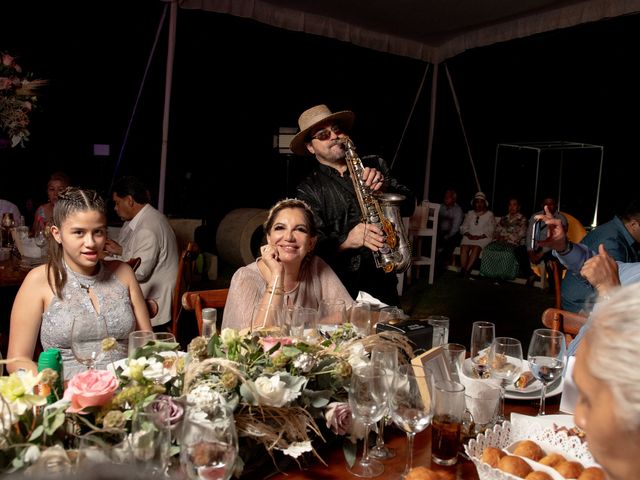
(245, 291)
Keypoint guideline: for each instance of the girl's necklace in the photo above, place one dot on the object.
(90, 281)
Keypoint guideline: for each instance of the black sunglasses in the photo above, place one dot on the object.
(325, 133)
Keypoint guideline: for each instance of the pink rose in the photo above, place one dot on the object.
(269, 342)
(92, 388)
(339, 418)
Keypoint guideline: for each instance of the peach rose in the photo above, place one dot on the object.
(269, 342)
(92, 388)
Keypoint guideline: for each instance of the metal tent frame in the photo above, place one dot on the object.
(539, 148)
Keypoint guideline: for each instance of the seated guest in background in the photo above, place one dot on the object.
(288, 272)
(511, 230)
(607, 378)
(620, 237)
(146, 234)
(345, 242)
(449, 221)
(543, 254)
(477, 232)
(58, 181)
(73, 282)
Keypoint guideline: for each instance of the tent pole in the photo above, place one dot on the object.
(594, 223)
(167, 101)
(432, 117)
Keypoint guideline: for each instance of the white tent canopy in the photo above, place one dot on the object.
(428, 30)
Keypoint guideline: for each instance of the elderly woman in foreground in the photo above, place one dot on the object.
(607, 376)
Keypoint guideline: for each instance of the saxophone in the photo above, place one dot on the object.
(382, 211)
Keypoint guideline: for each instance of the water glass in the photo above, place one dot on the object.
(103, 448)
(546, 358)
(138, 339)
(482, 407)
(505, 364)
(454, 355)
(449, 408)
(360, 318)
(151, 442)
(267, 316)
(440, 326)
(293, 321)
(309, 319)
(209, 446)
(332, 312)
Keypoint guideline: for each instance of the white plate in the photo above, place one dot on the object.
(546, 421)
(532, 392)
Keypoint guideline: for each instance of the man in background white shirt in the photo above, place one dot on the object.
(146, 234)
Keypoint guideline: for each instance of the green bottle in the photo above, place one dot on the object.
(51, 358)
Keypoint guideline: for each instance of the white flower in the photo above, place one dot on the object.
(296, 449)
(229, 336)
(304, 362)
(357, 356)
(18, 391)
(32, 454)
(278, 390)
(203, 396)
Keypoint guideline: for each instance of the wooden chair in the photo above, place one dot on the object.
(134, 263)
(196, 301)
(564, 321)
(186, 275)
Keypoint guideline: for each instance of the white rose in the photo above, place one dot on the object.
(274, 392)
(229, 336)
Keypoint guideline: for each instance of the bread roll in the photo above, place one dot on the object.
(538, 475)
(569, 469)
(592, 473)
(529, 449)
(514, 465)
(422, 473)
(552, 459)
(491, 456)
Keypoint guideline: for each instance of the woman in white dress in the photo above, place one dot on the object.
(477, 232)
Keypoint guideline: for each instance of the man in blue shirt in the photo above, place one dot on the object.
(619, 237)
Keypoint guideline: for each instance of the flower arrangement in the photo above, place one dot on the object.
(18, 96)
(285, 394)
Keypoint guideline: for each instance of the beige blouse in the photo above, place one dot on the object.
(317, 281)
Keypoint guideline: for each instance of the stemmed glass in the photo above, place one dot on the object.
(411, 410)
(482, 335)
(360, 318)
(331, 313)
(87, 334)
(505, 363)
(151, 441)
(385, 357)
(367, 399)
(546, 358)
(209, 446)
(40, 240)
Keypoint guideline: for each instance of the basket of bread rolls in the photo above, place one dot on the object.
(507, 453)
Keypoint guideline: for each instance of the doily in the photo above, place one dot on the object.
(505, 435)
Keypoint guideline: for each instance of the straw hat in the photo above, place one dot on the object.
(481, 196)
(312, 117)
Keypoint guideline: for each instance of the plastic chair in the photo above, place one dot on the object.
(423, 225)
(197, 300)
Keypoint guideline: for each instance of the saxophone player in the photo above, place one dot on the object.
(345, 241)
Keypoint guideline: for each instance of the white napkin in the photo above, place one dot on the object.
(371, 300)
(569, 391)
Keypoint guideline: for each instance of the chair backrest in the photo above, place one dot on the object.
(197, 300)
(134, 262)
(576, 231)
(564, 321)
(424, 221)
(186, 274)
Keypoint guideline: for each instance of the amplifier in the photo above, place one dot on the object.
(418, 332)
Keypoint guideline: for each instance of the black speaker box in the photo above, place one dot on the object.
(418, 332)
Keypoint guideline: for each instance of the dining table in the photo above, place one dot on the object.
(12, 272)
(336, 466)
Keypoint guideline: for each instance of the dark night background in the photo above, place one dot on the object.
(237, 81)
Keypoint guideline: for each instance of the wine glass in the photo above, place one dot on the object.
(505, 364)
(546, 358)
(105, 447)
(137, 339)
(386, 357)
(151, 441)
(411, 406)
(209, 446)
(87, 334)
(367, 399)
(482, 335)
(40, 240)
(331, 313)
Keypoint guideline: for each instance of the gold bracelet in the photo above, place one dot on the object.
(278, 290)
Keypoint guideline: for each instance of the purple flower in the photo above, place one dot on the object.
(170, 411)
(338, 416)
